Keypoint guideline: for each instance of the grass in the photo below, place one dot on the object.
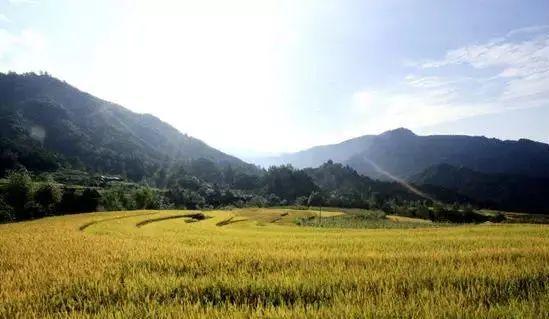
(512, 217)
(357, 218)
(266, 266)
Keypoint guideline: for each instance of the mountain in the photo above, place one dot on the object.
(318, 155)
(46, 124)
(402, 154)
(344, 184)
(497, 191)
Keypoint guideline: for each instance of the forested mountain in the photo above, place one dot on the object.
(403, 154)
(342, 185)
(497, 191)
(46, 124)
(318, 155)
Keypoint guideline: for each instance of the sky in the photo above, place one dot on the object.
(258, 77)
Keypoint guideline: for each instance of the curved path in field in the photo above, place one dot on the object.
(195, 217)
(249, 217)
(93, 222)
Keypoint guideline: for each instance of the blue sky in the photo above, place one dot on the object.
(253, 77)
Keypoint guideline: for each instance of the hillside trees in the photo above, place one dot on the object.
(46, 124)
(19, 192)
(24, 199)
(7, 214)
(316, 199)
(144, 198)
(48, 196)
(288, 183)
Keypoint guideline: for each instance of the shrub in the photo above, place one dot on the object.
(302, 201)
(19, 191)
(7, 214)
(257, 201)
(32, 210)
(69, 201)
(112, 200)
(47, 196)
(273, 200)
(89, 200)
(144, 197)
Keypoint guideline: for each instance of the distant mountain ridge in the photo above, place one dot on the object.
(318, 155)
(498, 191)
(403, 154)
(54, 123)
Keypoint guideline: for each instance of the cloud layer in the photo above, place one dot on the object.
(511, 72)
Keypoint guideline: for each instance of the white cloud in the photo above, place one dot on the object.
(18, 2)
(527, 30)
(525, 58)
(22, 51)
(521, 67)
(4, 18)
(383, 110)
(496, 76)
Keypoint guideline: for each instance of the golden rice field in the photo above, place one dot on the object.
(258, 263)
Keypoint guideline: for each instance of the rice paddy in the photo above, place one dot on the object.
(258, 263)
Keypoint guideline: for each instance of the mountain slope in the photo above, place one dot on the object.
(498, 191)
(346, 182)
(41, 112)
(318, 155)
(403, 154)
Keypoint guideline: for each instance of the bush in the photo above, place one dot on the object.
(160, 202)
(144, 198)
(7, 214)
(75, 201)
(89, 200)
(371, 214)
(32, 210)
(113, 200)
(19, 192)
(302, 201)
(257, 201)
(186, 198)
(69, 201)
(498, 218)
(273, 200)
(47, 196)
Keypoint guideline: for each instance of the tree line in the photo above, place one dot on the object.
(24, 196)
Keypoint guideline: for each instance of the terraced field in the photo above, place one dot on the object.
(258, 263)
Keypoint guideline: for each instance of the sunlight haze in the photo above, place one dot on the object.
(261, 77)
(274, 159)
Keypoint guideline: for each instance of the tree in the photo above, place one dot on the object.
(273, 200)
(114, 199)
(288, 183)
(206, 170)
(19, 192)
(6, 212)
(48, 196)
(144, 198)
(193, 200)
(302, 201)
(316, 199)
(89, 200)
(246, 182)
(257, 201)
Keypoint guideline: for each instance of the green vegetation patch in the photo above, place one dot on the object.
(361, 219)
